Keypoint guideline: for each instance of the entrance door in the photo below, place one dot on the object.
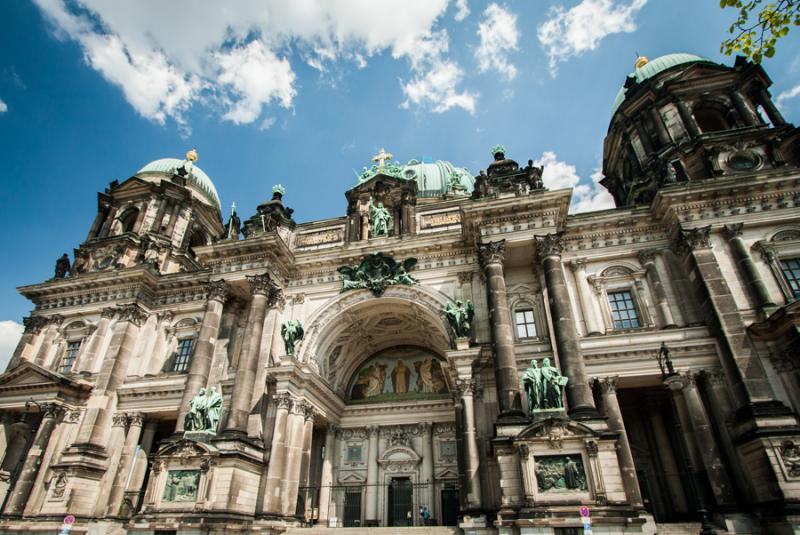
(352, 507)
(449, 506)
(401, 502)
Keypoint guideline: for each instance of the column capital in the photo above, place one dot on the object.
(373, 430)
(465, 277)
(608, 385)
(689, 240)
(217, 290)
(577, 264)
(52, 410)
(491, 252)
(549, 245)
(262, 284)
(284, 401)
(647, 256)
(715, 376)
(135, 418)
(34, 324)
(425, 428)
(132, 313)
(732, 231)
(119, 419)
(108, 313)
(308, 410)
(276, 300)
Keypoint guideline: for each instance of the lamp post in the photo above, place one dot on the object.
(674, 382)
(21, 426)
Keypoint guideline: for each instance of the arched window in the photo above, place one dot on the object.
(711, 119)
(197, 239)
(128, 219)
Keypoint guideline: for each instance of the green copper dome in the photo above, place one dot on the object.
(433, 178)
(198, 181)
(654, 67)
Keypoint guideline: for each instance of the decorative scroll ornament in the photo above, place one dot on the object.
(549, 245)
(292, 333)
(376, 272)
(491, 253)
(218, 290)
(132, 313)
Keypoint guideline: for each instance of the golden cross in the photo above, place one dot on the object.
(382, 156)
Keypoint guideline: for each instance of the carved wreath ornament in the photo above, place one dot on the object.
(376, 272)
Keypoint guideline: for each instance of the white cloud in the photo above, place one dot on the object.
(789, 94)
(571, 32)
(462, 10)
(267, 123)
(586, 197)
(10, 333)
(435, 88)
(498, 34)
(3, 106)
(169, 56)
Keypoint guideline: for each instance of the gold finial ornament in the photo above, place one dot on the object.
(382, 156)
(641, 61)
(192, 155)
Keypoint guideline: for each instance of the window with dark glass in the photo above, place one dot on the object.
(791, 271)
(526, 325)
(623, 311)
(70, 354)
(183, 355)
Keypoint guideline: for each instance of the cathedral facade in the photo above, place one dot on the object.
(454, 350)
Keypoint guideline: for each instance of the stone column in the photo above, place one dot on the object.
(18, 498)
(305, 452)
(672, 472)
(705, 441)
(608, 387)
(95, 424)
(772, 110)
(688, 119)
(135, 423)
(138, 471)
(265, 294)
(741, 105)
(426, 473)
(585, 297)
(33, 326)
(47, 341)
(747, 268)
(200, 366)
(661, 130)
(648, 260)
(472, 462)
(490, 256)
(277, 456)
(294, 456)
(746, 375)
(326, 481)
(579, 393)
(372, 477)
(89, 358)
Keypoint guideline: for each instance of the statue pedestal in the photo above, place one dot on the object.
(462, 343)
(200, 436)
(543, 414)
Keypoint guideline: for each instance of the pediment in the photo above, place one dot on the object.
(186, 447)
(399, 454)
(556, 429)
(28, 375)
(352, 477)
(380, 185)
(447, 473)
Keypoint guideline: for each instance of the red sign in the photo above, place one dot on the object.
(584, 511)
(69, 519)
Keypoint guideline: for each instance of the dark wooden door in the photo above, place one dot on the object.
(449, 506)
(401, 502)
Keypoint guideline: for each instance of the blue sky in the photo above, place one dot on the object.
(302, 93)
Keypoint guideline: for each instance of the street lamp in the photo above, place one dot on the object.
(21, 426)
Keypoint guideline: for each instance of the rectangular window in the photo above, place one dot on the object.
(183, 355)
(623, 311)
(69, 356)
(526, 326)
(791, 270)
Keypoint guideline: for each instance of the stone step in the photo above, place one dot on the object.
(420, 530)
(683, 528)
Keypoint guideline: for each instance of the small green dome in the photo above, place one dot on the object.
(654, 67)
(433, 178)
(197, 181)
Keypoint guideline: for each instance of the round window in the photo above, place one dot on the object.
(743, 161)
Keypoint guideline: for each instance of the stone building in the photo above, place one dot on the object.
(348, 398)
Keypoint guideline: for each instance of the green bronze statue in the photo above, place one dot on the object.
(204, 411)
(543, 386)
(292, 332)
(379, 219)
(459, 315)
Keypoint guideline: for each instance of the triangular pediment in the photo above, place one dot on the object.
(447, 473)
(351, 477)
(556, 426)
(28, 376)
(382, 183)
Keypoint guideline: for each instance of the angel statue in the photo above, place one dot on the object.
(379, 219)
(292, 332)
(460, 317)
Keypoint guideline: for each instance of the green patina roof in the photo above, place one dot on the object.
(198, 180)
(433, 178)
(654, 67)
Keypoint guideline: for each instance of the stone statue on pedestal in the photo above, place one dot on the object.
(459, 315)
(292, 332)
(204, 411)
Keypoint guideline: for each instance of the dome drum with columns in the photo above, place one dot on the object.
(453, 352)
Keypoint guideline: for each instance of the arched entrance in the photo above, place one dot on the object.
(395, 451)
